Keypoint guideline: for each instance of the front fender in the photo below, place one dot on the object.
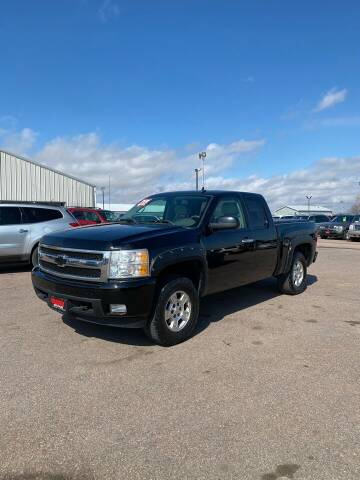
(180, 254)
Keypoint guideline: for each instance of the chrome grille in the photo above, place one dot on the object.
(87, 265)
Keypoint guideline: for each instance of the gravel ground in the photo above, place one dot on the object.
(267, 389)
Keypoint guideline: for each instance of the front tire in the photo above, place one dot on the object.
(295, 281)
(35, 257)
(176, 312)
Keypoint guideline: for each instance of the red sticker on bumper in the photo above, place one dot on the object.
(57, 303)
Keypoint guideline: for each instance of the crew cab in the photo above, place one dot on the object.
(169, 250)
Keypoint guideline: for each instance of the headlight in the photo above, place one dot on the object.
(129, 264)
(339, 228)
(352, 227)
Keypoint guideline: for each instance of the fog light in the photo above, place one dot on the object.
(117, 308)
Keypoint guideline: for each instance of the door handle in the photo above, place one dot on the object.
(22, 230)
(248, 240)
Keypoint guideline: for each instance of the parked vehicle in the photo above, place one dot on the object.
(87, 216)
(338, 227)
(22, 226)
(353, 233)
(171, 250)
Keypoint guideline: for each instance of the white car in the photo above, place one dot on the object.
(22, 226)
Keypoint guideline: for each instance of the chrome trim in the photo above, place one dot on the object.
(71, 261)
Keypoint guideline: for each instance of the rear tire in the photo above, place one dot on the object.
(35, 257)
(295, 281)
(176, 312)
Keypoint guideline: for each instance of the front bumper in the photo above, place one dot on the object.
(91, 302)
(331, 233)
(354, 233)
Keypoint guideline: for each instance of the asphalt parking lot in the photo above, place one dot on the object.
(267, 389)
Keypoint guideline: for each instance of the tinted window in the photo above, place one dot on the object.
(10, 216)
(229, 207)
(37, 215)
(257, 212)
(343, 218)
(78, 214)
(91, 217)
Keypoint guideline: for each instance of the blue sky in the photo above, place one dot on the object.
(172, 77)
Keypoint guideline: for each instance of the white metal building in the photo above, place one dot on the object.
(22, 180)
(296, 210)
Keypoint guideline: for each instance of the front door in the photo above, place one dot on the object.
(12, 234)
(229, 253)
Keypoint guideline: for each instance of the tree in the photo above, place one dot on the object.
(356, 207)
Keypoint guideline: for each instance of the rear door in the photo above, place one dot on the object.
(13, 235)
(230, 255)
(264, 236)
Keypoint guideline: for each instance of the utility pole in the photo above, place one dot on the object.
(197, 170)
(109, 193)
(309, 197)
(103, 196)
(202, 156)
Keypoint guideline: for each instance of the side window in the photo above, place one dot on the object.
(229, 207)
(37, 215)
(91, 217)
(78, 214)
(10, 216)
(257, 213)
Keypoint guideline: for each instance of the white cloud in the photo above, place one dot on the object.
(17, 141)
(137, 171)
(134, 170)
(331, 98)
(108, 9)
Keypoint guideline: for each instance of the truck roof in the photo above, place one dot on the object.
(199, 192)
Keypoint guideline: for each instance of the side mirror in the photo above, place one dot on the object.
(224, 223)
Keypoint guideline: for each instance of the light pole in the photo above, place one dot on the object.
(202, 156)
(197, 170)
(103, 196)
(309, 197)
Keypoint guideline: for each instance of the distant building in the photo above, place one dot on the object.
(23, 180)
(297, 210)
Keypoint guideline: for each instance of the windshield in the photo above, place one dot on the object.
(343, 218)
(180, 210)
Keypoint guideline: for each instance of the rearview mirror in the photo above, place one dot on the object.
(224, 223)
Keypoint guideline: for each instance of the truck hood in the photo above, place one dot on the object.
(107, 237)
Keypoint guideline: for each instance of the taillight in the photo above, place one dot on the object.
(74, 225)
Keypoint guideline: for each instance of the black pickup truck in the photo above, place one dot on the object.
(151, 269)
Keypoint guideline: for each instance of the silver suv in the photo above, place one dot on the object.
(23, 225)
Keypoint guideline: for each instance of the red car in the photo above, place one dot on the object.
(87, 216)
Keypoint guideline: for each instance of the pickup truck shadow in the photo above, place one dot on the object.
(20, 267)
(219, 305)
(213, 309)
